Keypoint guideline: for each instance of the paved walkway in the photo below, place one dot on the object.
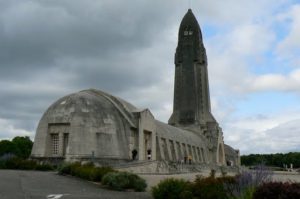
(285, 176)
(49, 185)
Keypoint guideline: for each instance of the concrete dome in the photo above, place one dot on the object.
(88, 124)
(88, 106)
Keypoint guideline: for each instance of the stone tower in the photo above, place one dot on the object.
(191, 90)
(191, 109)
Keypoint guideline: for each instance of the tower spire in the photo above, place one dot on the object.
(191, 90)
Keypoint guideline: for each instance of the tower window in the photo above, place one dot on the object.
(54, 143)
(190, 32)
(186, 33)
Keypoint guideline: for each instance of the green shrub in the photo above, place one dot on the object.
(123, 180)
(13, 163)
(210, 188)
(2, 164)
(18, 163)
(138, 184)
(282, 190)
(172, 189)
(21, 164)
(44, 167)
(117, 181)
(86, 171)
(247, 193)
(27, 165)
(74, 168)
(64, 169)
(98, 172)
(135, 182)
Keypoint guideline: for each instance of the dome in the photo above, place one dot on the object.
(87, 123)
(89, 106)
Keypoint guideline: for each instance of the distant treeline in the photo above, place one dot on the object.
(19, 147)
(276, 160)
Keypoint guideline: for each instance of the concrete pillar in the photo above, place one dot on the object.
(200, 155)
(176, 150)
(169, 149)
(153, 150)
(195, 153)
(185, 150)
(162, 155)
(141, 150)
(60, 144)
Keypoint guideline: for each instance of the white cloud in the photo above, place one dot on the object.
(282, 138)
(291, 43)
(8, 131)
(276, 82)
(229, 12)
(269, 133)
(231, 53)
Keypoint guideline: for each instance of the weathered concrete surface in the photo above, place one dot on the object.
(88, 124)
(40, 185)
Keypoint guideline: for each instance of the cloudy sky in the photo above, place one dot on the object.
(51, 48)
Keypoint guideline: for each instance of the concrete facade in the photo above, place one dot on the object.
(92, 125)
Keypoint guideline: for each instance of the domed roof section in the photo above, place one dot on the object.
(90, 104)
(189, 25)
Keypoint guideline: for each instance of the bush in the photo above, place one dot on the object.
(117, 181)
(26, 164)
(18, 163)
(44, 167)
(87, 171)
(83, 171)
(246, 182)
(98, 172)
(210, 188)
(282, 190)
(123, 180)
(64, 169)
(11, 163)
(74, 167)
(172, 188)
(138, 184)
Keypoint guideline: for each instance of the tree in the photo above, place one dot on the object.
(23, 145)
(277, 159)
(6, 147)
